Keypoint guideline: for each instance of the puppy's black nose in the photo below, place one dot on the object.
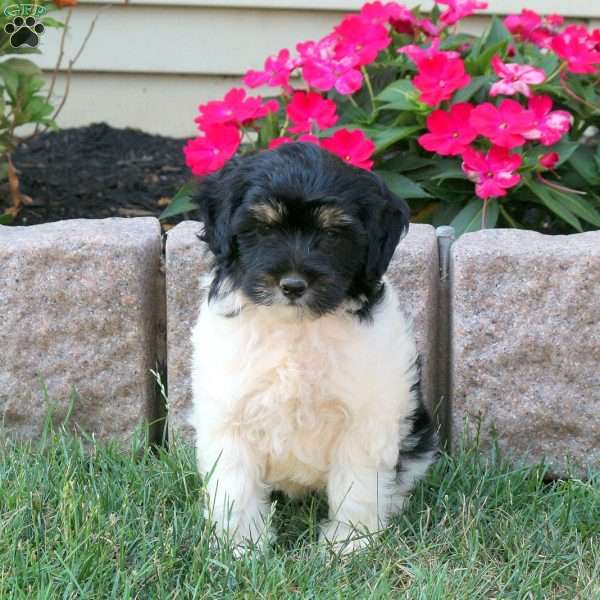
(293, 286)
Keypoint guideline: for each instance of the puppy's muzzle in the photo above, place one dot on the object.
(293, 286)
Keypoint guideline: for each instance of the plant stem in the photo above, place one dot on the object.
(557, 186)
(369, 88)
(556, 72)
(510, 220)
(570, 92)
(353, 102)
(484, 213)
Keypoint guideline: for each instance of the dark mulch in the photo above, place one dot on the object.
(97, 171)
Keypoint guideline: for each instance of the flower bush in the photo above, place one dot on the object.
(23, 97)
(496, 130)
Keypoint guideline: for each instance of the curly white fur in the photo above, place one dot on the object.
(286, 401)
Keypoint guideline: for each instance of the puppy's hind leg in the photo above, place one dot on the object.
(418, 451)
(237, 500)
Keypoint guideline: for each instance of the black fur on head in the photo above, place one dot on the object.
(299, 226)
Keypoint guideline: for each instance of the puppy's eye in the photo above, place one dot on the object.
(264, 229)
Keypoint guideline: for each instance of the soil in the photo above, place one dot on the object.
(97, 171)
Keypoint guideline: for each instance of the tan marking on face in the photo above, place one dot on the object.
(269, 212)
(332, 216)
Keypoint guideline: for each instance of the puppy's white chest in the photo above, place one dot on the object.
(293, 413)
(290, 389)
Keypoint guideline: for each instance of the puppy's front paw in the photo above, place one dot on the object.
(342, 537)
(243, 534)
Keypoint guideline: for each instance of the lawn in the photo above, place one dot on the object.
(114, 524)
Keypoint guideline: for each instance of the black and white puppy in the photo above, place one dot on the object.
(305, 373)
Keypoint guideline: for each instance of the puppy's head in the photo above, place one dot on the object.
(297, 226)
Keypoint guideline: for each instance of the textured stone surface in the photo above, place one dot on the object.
(414, 272)
(526, 343)
(78, 306)
(187, 260)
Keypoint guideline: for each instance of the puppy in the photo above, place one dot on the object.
(305, 373)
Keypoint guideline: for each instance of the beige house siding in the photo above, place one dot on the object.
(150, 63)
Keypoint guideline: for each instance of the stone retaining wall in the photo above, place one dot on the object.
(82, 305)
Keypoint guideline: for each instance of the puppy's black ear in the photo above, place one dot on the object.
(218, 196)
(386, 224)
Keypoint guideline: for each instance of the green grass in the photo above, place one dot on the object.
(114, 524)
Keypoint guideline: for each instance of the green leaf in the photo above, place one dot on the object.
(470, 217)
(497, 34)
(401, 93)
(447, 172)
(6, 219)
(51, 22)
(470, 90)
(182, 201)
(485, 58)
(398, 106)
(385, 138)
(584, 163)
(37, 108)
(21, 65)
(455, 41)
(579, 206)
(268, 130)
(11, 80)
(544, 193)
(403, 186)
(407, 161)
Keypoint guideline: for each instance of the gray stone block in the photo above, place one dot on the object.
(414, 272)
(78, 304)
(187, 261)
(526, 344)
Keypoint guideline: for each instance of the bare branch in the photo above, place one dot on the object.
(72, 62)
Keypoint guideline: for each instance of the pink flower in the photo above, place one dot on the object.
(234, 108)
(308, 109)
(549, 160)
(450, 132)
(279, 141)
(439, 77)
(530, 27)
(211, 151)
(505, 125)
(321, 70)
(575, 46)
(382, 12)
(548, 126)
(595, 39)
(428, 27)
(459, 9)
(352, 146)
(277, 71)
(360, 40)
(493, 173)
(404, 21)
(554, 20)
(308, 137)
(325, 76)
(515, 78)
(418, 54)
